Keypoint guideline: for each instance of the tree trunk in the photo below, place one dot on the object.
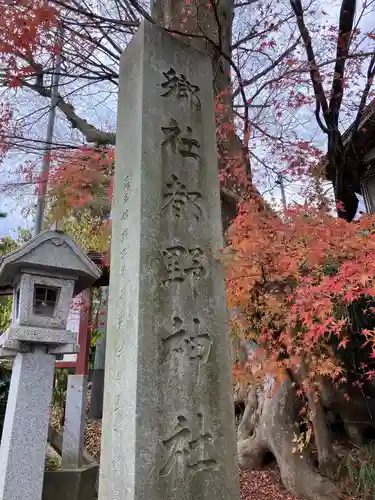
(357, 414)
(206, 24)
(326, 455)
(341, 177)
(199, 18)
(268, 426)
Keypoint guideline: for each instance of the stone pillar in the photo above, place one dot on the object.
(97, 388)
(24, 439)
(168, 428)
(76, 394)
(84, 337)
(74, 424)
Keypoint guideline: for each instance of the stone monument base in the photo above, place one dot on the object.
(71, 484)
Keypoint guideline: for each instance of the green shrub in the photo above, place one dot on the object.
(360, 467)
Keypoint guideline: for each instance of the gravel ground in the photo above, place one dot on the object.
(263, 485)
(255, 485)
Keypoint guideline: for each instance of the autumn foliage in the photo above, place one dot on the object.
(7, 128)
(79, 177)
(292, 280)
(292, 277)
(25, 32)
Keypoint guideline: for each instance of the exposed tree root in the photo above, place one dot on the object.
(268, 426)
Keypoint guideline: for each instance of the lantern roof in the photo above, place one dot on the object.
(50, 252)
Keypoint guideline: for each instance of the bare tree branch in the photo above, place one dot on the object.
(316, 78)
(91, 133)
(269, 68)
(347, 13)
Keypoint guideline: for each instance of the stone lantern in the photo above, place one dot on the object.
(45, 274)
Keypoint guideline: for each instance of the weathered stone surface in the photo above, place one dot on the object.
(77, 484)
(11, 348)
(38, 335)
(25, 315)
(61, 350)
(24, 437)
(51, 251)
(44, 273)
(50, 265)
(74, 425)
(168, 424)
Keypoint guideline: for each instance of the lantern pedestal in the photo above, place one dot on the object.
(23, 443)
(71, 484)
